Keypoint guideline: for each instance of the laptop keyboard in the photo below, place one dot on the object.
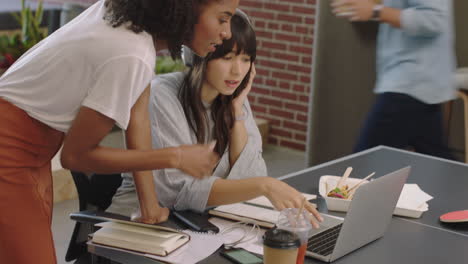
(324, 242)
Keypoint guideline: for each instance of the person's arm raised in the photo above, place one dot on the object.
(239, 135)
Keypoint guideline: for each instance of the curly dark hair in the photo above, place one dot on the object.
(170, 20)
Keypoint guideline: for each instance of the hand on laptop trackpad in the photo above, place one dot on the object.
(328, 222)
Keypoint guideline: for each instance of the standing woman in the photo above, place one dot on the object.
(73, 87)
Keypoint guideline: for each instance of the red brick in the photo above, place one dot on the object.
(273, 121)
(296, 126)
(304, 98)
(272, 64)
(287, 57)
(271, 82)
(273, 26)
(301, 49)
(295, 1)
(307, 60)
(299, 88)
(284, 76)
(263, 34)
(273, 45)
(258, 80)
(305, 79)
(270, 102)
(281, 113)
(300, 137)
(310, 21)
(301, 117)
(303, 30)
(277, 7)
(308, 41)
(284, 85)
(296, 68)
(262, 72)
(293, 145)
(260, 90)
(263, 52)
(297, 107)
(280, 132)
(253, 3)
(258, 109)
(287, 28)
(262, 14)
(287, 37)
(289, 18)
(259, 24)
(284, 95)
(303, 10)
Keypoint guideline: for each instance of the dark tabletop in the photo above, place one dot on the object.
(407, 240)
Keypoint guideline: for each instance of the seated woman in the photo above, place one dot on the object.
(209, 104)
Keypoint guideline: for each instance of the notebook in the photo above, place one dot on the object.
(141, 239)
(200, 246)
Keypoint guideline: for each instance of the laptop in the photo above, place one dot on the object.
(369, 215)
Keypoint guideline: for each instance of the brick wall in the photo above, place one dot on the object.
(282, 86)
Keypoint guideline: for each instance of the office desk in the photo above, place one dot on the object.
(407, 240)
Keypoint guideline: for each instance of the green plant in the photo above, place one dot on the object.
(165, 64)
(12, 47)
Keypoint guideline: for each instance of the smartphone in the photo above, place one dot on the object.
(241, 256)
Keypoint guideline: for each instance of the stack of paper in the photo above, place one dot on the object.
(263, 201)
(412, 202)
(200, 246)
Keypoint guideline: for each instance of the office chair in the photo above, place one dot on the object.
(95, 192)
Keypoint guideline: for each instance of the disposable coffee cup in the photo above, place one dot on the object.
(280, 247)
(290, 220)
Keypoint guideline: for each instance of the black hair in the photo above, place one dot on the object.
(244, 40)
(170, 20)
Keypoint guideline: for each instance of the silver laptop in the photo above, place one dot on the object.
(369, 215)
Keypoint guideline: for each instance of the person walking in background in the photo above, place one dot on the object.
(73, 87)
(415, 67)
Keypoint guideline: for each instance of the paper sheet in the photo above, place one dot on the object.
(413, 198)
(253, 241)
(250, 211)
(263, 201)
(200, 246)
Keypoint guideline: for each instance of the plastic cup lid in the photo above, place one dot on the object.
(281, 239)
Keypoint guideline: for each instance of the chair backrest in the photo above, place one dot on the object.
(96, 189)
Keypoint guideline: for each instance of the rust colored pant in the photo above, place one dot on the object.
(26, 198)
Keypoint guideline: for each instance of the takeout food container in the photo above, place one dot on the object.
(328, 183)
(413, 213)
